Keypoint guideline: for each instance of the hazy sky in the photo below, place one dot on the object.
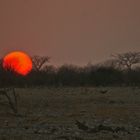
(70, 31)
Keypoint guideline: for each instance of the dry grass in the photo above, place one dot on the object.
(62, 106)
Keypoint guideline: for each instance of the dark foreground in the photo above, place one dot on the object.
(73, 114)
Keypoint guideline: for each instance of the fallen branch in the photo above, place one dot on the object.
(100, 127)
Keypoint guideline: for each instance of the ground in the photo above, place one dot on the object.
(83, 113)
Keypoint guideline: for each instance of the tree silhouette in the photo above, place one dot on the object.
(127, 60)
(39, 62)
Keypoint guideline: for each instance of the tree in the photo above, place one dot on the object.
(127, 60)
(39, 62)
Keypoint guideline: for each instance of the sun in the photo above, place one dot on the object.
(18, 62)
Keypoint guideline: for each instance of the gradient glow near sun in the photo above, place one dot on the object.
(19, 62)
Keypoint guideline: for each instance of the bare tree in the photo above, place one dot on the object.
(12, 98)
(127, 60)
(39, 62)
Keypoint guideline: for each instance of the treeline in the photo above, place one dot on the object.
(69, 75)
(114, 72)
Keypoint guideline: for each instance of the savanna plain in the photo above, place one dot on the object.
(72, 113)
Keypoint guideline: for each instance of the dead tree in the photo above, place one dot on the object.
(11, 97)
(39, 62)
(127, 60)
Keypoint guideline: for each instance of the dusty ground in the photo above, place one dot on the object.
(73, 114)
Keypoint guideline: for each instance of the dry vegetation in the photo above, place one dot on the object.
(73, 114)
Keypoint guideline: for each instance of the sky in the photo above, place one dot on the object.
(70, 31)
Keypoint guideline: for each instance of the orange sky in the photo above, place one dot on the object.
(70, 31)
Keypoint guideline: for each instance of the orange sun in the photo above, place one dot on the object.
(18, 62)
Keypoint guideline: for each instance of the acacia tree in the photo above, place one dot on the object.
(39, 62)
(127, 60)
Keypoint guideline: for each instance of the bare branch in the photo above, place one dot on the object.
(12, 103)
(39, 62)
